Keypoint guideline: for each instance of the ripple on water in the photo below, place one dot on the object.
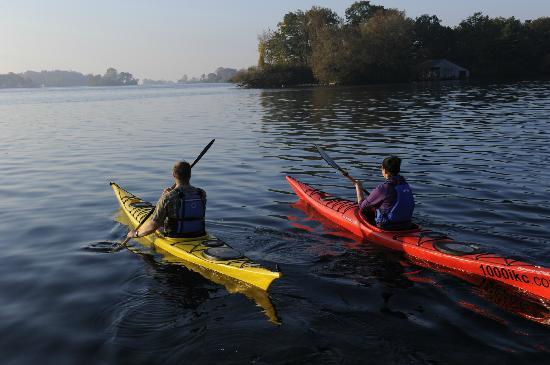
(474, 154)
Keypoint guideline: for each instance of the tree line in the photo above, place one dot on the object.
(112, 77)
(59, 78)
(374, 44)
(221, 74)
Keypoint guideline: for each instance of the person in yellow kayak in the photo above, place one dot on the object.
(180, 210)
(392, 202)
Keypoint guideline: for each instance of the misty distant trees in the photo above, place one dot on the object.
(112, 78)
(221, 74)
(12, 80)
(376, 44)
(151, 82)
(58, 78)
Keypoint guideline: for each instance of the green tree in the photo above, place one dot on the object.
(431, 38)
(125, 78)
(266, 48)
(293, 41)
(360, 12)
(331, 54)
(322, 25)
(385, 51)
(495, 47)
(376, 44)
(539, 33)
(111, 76)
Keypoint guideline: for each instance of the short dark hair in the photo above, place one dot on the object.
(182, 171)
(392, 165)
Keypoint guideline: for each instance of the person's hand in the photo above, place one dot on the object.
(132, 234)
(167, 190)
(358, 183)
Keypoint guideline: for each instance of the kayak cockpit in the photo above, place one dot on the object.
(401, 227)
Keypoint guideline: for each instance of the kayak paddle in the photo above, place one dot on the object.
(332, 163)
(123, 243)
(199, 157)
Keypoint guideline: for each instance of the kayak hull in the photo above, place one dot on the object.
(426, 245)
(193, 249)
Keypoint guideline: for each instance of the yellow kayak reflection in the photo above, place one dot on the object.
(260, 297)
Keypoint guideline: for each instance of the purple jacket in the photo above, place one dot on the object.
(383, 196)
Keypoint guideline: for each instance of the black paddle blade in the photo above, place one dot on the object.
(203, 152)
(329, 160)
(101, 246)
(118, 248)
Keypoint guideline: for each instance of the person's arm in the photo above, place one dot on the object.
(359, 191)
(148, 228)
(154, 223)
(374, 200)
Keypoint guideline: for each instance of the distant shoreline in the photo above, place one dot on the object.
(62, 78)
(175, 85)
(480, 81)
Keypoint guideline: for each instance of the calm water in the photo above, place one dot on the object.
(476, 155)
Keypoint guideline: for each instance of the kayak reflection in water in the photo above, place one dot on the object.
(180, 210)
(391, 204)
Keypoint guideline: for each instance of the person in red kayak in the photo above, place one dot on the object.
(180, 210)
(390, 203)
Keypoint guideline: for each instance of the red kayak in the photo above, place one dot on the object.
(429, 246)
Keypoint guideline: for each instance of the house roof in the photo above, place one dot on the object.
(441, 62)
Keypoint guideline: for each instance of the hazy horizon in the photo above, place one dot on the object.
(166, 39)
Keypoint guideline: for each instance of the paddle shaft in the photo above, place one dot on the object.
(332, 163)
(199, 156)
(205, 149)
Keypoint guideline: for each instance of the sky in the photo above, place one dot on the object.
(165, 39)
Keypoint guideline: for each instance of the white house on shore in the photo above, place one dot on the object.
(441, 69)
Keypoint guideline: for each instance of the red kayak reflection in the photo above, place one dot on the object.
(503, 296)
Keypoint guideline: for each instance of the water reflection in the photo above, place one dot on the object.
(365, 262)
(187, 287)
(476, 155)
(456, 143)
(464, 151)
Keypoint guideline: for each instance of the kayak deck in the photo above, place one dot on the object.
(429, 246)
(195, 250)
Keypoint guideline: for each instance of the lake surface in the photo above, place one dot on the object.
(477, 157)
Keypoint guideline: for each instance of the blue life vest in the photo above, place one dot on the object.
(402, 209)
(190, 210)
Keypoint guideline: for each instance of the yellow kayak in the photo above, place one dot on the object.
(206, 251)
